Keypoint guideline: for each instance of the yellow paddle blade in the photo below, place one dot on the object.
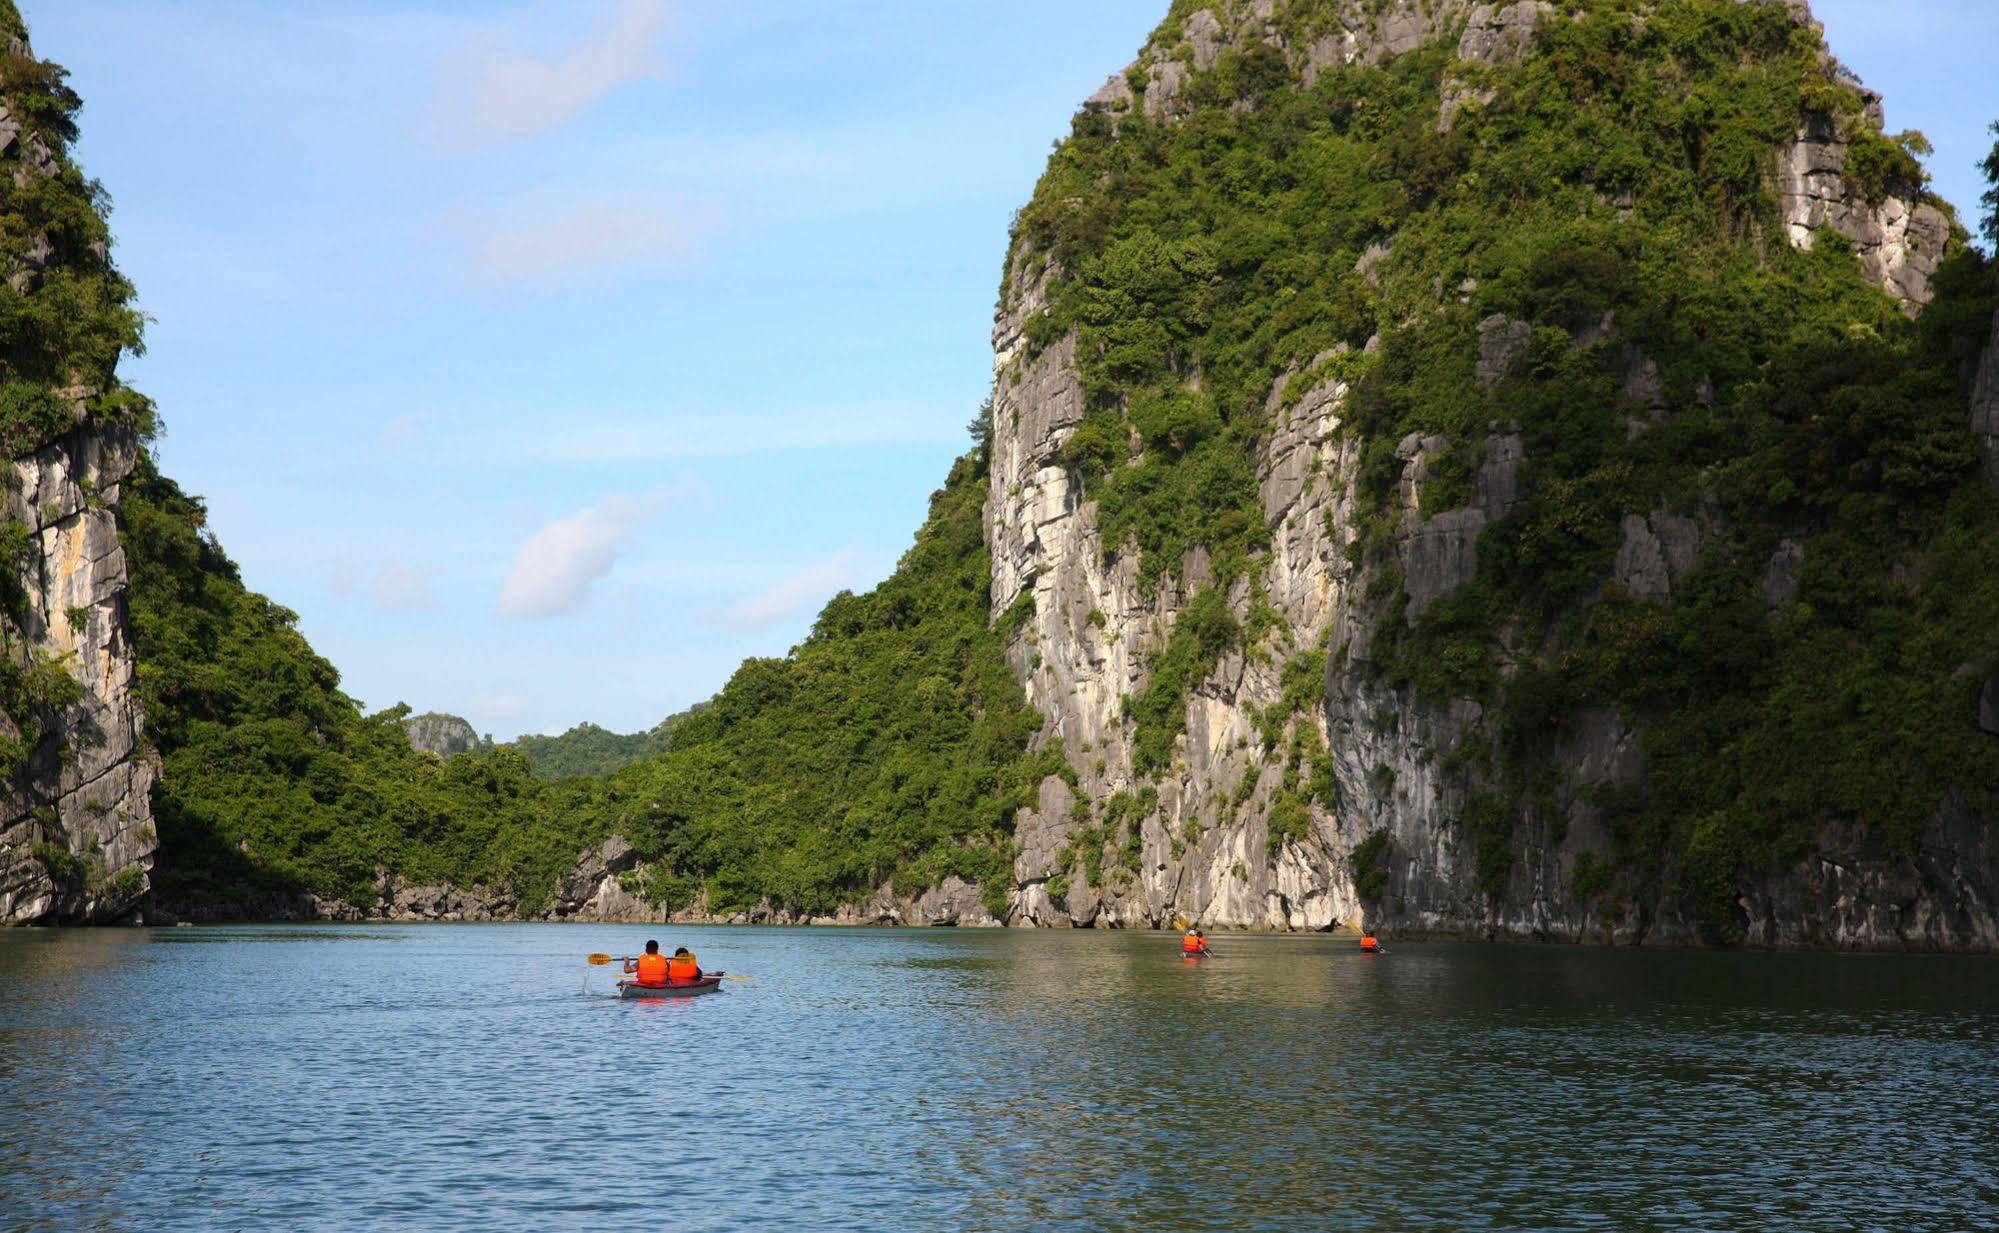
(739, 978)
(599, 960)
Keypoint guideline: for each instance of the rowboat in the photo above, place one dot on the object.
(709, 982)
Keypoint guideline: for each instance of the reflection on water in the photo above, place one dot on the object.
(335, 1077)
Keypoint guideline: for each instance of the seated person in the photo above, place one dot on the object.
(682, 968)
(651, 968)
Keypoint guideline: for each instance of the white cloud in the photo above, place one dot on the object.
(811, 585)
(490, 93)
(556, 567)
(547, 243)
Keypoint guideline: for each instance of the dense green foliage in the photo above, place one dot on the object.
(273, 783)
(587, 750)
(1615, 192)
(890, 745)
(66, 315)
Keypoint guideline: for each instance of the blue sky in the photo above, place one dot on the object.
(551, 357)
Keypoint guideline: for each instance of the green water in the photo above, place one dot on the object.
(480, 1077)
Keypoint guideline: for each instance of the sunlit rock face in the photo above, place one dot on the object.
(1204, 845)
(76, 824)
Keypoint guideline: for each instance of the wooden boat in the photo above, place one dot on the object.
(709, 982)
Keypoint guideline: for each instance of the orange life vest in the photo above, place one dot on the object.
(1193, 945)
(652, 970)
(683, 968)
(1369, 944)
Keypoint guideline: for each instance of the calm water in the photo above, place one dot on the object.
(342, 1077)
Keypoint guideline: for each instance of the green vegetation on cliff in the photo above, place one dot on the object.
(66, 315)
(273, 783)
(891, 745)
(1615, 194)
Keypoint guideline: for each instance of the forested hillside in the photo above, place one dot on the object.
(273, 784)
(588, 749)
(1517, 469)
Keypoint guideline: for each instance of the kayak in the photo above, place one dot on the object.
(708, 983)
(1197, 954)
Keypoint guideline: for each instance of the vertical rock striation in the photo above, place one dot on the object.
(76, 833)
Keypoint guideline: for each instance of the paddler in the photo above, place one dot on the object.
(1369, 944)
(1194, 943)
(682, 969)
(652, 969)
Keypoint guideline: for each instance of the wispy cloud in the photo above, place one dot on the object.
(490, 93)
(557, 566)
(544, 242)
(811, 585)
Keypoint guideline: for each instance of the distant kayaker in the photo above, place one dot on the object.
(682, 969)
(652, 969)
(1195, 943)
(1369, 944)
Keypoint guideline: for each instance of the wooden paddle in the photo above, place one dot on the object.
(1181, 923)
(599, 959)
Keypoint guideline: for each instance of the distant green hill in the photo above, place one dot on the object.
(588, 749)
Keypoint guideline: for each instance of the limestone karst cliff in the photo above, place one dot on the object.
(76, 830)
(1488, 470)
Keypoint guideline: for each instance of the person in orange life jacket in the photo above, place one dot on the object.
(1368, 942)
(682, 968)
(651, 968)
(1195, 943)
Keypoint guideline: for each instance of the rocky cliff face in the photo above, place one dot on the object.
(443, 735)
(76, 833)
(1207, 846)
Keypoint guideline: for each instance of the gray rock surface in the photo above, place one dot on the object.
(1900, 238)
(1785, 571)
(86, 788)
(444, 735)
(1204, 851)
(1501, 33)
(1501, 340)
(1657, 551)
(1985, 405)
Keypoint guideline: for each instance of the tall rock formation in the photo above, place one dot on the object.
(76, 830)
(1375, 795)
(444, 735)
